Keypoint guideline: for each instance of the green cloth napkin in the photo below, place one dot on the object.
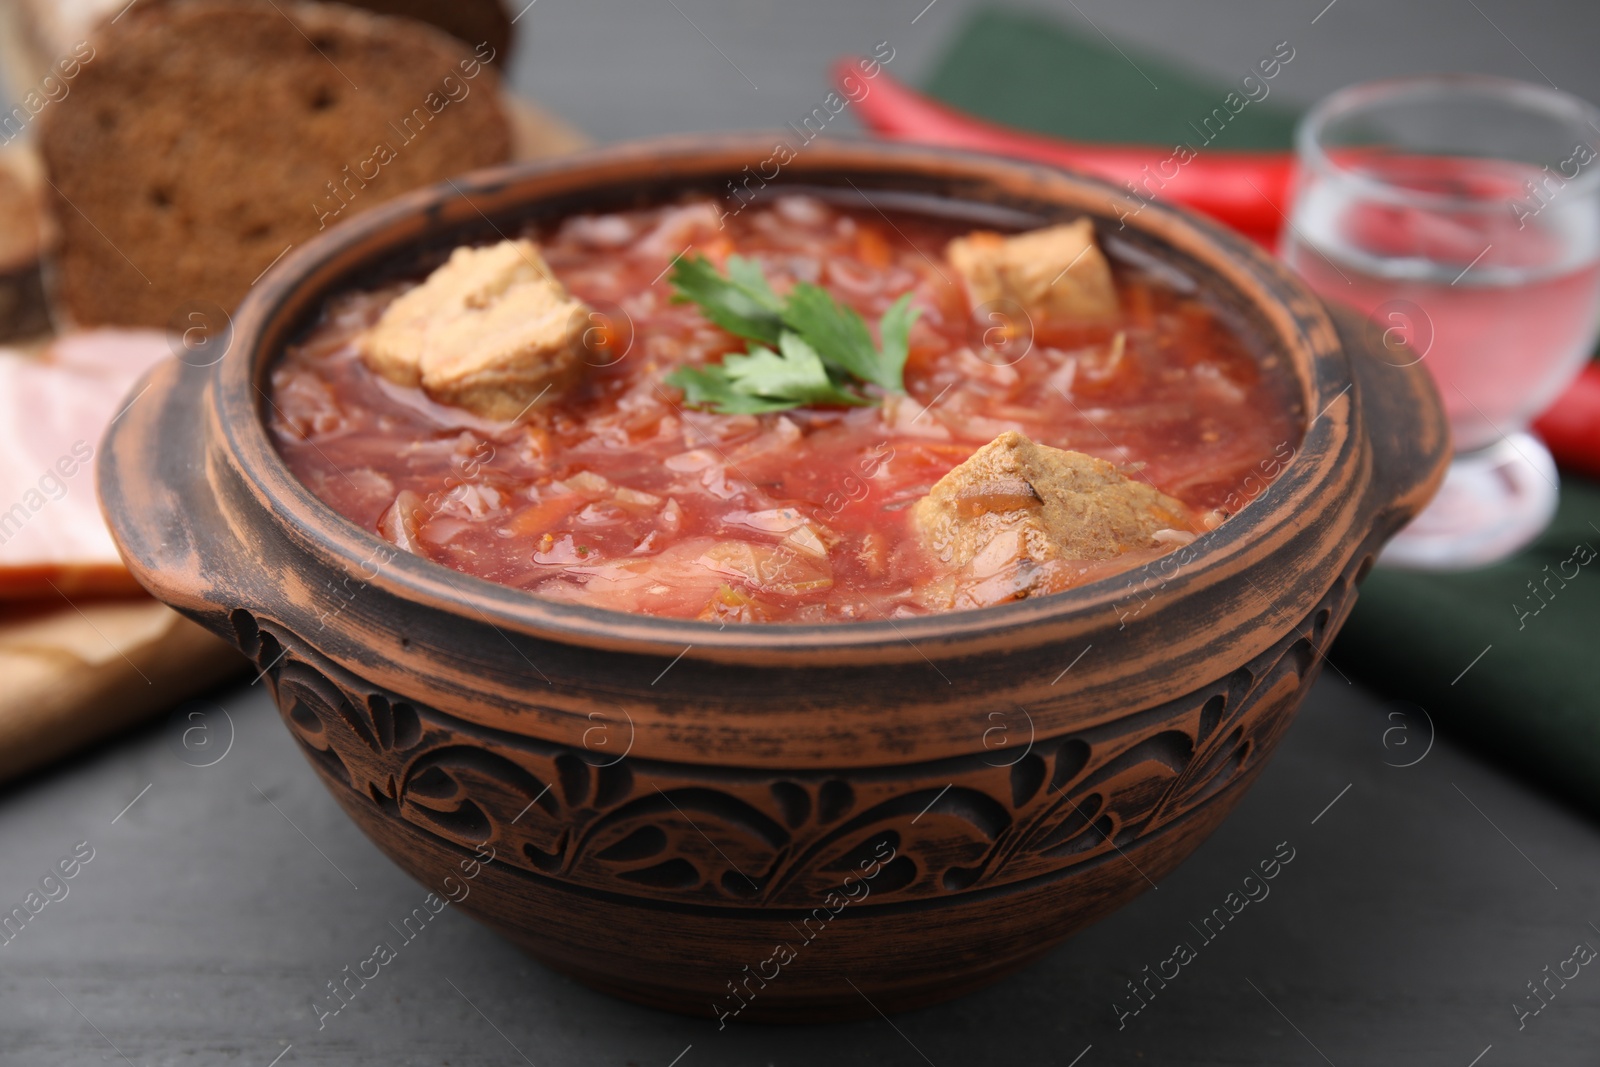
(1507, 656)
(1467, 647)
(1029, 71)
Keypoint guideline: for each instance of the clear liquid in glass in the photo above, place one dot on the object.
(1500, 305)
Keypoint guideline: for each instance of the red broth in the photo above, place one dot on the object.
(616, 496)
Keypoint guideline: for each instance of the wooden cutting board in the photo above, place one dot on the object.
(71, 675)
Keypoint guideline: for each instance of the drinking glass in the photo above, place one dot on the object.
(1461, 215)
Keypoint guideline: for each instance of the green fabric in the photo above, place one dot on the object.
(1533, 700)
(1028, 71)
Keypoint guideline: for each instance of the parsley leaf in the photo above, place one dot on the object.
(823, 346)
(814, 314)
(894, 331)
(741, 303)
(763, 380)
(710, 387)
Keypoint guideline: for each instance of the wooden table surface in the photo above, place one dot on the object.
(225, 888)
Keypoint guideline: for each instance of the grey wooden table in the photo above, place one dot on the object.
(1420, 902)
(220, 900)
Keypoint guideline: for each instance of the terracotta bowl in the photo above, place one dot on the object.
(781, 821)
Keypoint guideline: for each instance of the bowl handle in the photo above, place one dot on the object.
(1404, 422)
(157, 499)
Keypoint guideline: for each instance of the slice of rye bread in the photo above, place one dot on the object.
(208, 136)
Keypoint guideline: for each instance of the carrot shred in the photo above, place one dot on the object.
(544, 515)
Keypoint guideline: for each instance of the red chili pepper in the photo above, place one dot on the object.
(1572, 425)
(1246, 190)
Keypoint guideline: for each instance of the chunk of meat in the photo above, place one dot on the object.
(53, 412)
(1055, 274)
(1016, 504)
(491, 331)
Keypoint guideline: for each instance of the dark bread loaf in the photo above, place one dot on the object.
(208, 136)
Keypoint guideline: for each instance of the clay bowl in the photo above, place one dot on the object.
(774, 822)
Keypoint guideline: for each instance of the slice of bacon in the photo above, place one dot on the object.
(53, 411)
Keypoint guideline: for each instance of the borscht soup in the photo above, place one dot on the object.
(800, 412)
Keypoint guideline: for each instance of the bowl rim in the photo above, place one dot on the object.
(238, 399)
